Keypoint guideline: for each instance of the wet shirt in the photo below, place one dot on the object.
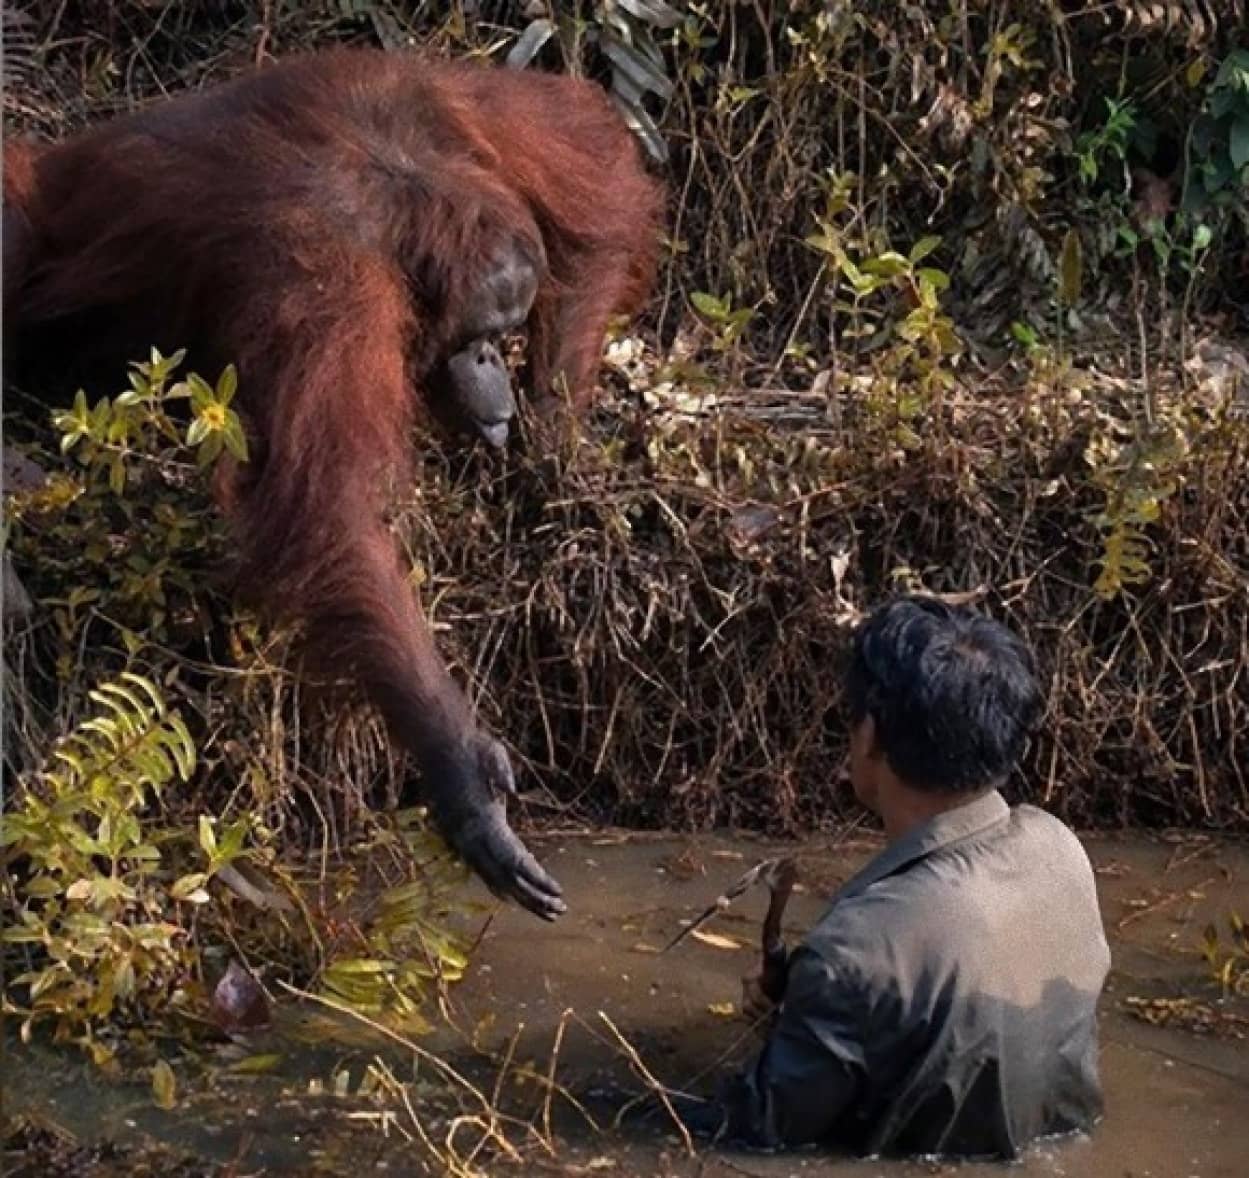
(946, 1002)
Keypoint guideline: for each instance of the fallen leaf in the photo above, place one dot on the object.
(642, 947)
(255, 1064)
(716, 940)
(723, 1009)
(164, 1086)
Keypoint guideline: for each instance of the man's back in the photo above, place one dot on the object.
(953, 984)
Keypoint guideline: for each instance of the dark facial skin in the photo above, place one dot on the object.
(472, 393)
(504, 295)
(471, 390)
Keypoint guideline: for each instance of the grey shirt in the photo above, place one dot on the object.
(946, 1002)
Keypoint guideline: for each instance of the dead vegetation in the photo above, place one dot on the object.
(954, 300)
(653, 614)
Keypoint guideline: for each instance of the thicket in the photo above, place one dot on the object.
(955, 297)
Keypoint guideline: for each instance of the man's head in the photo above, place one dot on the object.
(942, 700)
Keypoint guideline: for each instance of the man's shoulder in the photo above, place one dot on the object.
(1025, 813)
(857, 934)
(948, 902)
(1035, 824)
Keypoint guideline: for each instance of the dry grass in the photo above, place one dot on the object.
(652, 615)
(655, 618)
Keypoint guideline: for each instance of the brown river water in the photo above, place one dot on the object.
(564, 1000)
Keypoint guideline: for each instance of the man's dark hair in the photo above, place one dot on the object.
(953, 694)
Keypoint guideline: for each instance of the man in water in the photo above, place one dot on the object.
(946, 1002)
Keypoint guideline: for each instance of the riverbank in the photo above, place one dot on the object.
(568, 1004)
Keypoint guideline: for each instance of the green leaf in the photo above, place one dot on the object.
(227, 384)
(709, 305)
(197, 432)
(856, 276)
(257, 1064)
(826, 244)
(235, 440)
(1238, 143)
(201, 394)
(361, 965)
(888, 265)
(231, 842)
(148, 688)
(182, 748)
(209, 450)
(937, 279)
(42, 887)
(923, 247)
(100, 415)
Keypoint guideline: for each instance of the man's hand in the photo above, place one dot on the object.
(757, 1008)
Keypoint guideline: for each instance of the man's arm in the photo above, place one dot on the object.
(810, 1071)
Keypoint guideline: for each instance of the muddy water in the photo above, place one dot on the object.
(1177, 1097)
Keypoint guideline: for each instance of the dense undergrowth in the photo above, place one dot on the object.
(167, 818)
(955, 298)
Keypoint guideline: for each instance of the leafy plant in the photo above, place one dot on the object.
(1217, 154)
(1008, 46)
(111, 433)
(85, 879)
(128, 530)
(916, 347)
(1228, 960)
(1137, 477)
(401, 948)
(112, 888)
(729, 322)
(1109, 141)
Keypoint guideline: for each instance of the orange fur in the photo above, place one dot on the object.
(321, 224)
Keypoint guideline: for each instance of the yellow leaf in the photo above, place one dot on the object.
(164, 1086)
(723, 1009)
(717, 940)
(255, 1064)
